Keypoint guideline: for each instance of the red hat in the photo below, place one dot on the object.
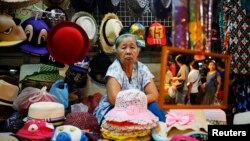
(157, 34)
(68, 43)
(36, 130)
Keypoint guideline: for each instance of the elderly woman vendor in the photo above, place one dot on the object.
(126, 72)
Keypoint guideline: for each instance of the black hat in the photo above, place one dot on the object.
(83, 5)
(98, 67)
(161, 8)
(107, 6)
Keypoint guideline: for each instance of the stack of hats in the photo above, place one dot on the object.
(129, 119)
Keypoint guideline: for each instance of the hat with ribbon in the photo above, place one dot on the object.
(36, 130)
(109, 31)
(131, 106)
(161, 8)
(68, 42)
(17, 3)
(10, 31)
(157, 34)
(60, 3)
(88, 23)
(137, 7)
(138, 30)
(106, 6)
(36, 31)
(83, 5)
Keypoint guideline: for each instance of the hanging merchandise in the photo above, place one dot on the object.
(83, 5)
(36, 31)
(106, 6)
(180, 23)
(88, 23)
(54, 15)
(11, 33)
(64, 4)
(157, 34)
(16, 3)
(139, 31)
(138, 7)
(109, 31)
(161, 8)
(60, 45)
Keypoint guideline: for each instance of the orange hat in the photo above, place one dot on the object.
(157, 34)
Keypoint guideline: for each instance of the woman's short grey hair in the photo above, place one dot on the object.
(123, 36)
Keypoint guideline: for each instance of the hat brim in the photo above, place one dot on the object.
(10, 43)
(54, 53)
(145, 117)
(63, 4)
(105, 47)
(18, 4)
(82, 14)
(154, 41)
(34, 50)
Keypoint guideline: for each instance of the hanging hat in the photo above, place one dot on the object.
(157, 34)
(131, 106)
(54, 15)
(36, 130)
(161, 8)
(106, 6)
(8, 93)
(138, 30)
(17, 3)
(98, 67)
(83, 5)
(8, 137)
(60, 3)
(36, 31)
(68, 43)
(88, 23)
(109, 31)
(10, 33)
(137, 7)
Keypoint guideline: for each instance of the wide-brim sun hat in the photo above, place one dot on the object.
(109, 31)
(17, 3)
(131, 106)
(161, 8)
(106, 6)
(60, 3)
(10, 32)
(68, 43)
(88, 23)
(137, 8)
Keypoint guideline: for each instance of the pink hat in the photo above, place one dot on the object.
(131, 106)
(36, 130)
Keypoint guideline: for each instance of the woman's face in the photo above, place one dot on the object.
(211, 66)
(128, 51)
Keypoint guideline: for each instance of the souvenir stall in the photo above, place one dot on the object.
(56, 56)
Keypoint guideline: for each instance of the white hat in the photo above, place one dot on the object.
(109, 31)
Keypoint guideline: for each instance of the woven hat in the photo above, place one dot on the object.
(88, 23)
(83, 5)
(84, 121)
(137, 7)
(157, 34)
(36, 130)
(8, 93)
(10, 32)
(106, 6)
(161, 8)
(60, 44)
(109, 31)
(36, 31)
(131, 106)
(8, 137)
(60, 3)
(68, 133)
(17, 3)
(98, 67)
(139, 31)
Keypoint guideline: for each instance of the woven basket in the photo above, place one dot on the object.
(17, 4)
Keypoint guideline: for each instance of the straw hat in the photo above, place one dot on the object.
(17, 3)
(109, 31)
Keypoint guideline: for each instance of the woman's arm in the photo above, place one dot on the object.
(151, 92)
(218, 79)
(113, 87)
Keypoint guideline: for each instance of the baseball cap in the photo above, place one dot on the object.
(157, 34)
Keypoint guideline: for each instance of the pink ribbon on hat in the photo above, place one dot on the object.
(179, 118)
